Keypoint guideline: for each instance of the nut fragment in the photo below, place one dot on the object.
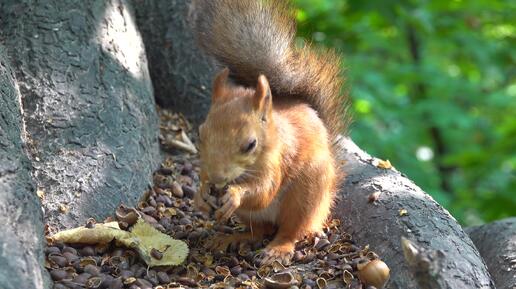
(280, 281)
(223, 270)
(156, 254)
(127, 215)
(373, 197)
(177, 190)
(58, 274)
(93, 282)
(403, 212)
(321, 283)
(347, 277)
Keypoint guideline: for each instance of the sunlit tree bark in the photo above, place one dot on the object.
(90, 134)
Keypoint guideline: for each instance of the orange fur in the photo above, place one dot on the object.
(288, 180)
(275, 113)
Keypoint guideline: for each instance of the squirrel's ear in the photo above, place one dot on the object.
(262, 98)
(219, 85)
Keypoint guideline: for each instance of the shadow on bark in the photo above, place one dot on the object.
(21, 219)
(181, 74)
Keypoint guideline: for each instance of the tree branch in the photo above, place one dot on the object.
(404, 210)
(496, 243)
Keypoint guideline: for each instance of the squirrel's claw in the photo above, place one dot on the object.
(231, 202)
(278, 253)
(224, 213)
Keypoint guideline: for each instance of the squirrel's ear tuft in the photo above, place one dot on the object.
(262, 97)
(219, 85)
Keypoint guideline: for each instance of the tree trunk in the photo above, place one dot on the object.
(496, 242)
(181, 74)
(21, 219)
(87, 103)
(382, 223)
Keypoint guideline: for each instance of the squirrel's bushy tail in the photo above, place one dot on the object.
(253, 37)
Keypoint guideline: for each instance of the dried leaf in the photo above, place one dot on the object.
(148, 238)
(143, 237)
(384, 164)
(100, 234)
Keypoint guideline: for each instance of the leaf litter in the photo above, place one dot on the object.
(137, 246)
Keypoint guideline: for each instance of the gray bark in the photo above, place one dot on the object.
(454, 263)
(21, 218)
(87, 101)
(496, 242)
(181, 74)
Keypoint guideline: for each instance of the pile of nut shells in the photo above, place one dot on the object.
(333, 260)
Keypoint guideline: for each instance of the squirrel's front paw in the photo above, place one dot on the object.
(230, 202)
(200, 202)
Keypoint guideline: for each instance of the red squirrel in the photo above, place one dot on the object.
(276, 111)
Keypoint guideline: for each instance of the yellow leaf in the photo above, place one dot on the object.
(403, 212)
(143, 237)
(100, 234)
(384, 164)
(174, 251)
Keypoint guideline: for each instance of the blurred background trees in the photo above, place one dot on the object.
(433, 89)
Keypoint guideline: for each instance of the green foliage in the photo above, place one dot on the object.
(431, 78)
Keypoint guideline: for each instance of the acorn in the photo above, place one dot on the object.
(374, 273)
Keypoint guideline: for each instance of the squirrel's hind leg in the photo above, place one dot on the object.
(305, 209)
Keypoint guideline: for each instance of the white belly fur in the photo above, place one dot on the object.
(269, 214)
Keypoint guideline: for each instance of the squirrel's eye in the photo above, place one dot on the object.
(249, 146)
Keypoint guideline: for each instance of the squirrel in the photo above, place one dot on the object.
(269, 136)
